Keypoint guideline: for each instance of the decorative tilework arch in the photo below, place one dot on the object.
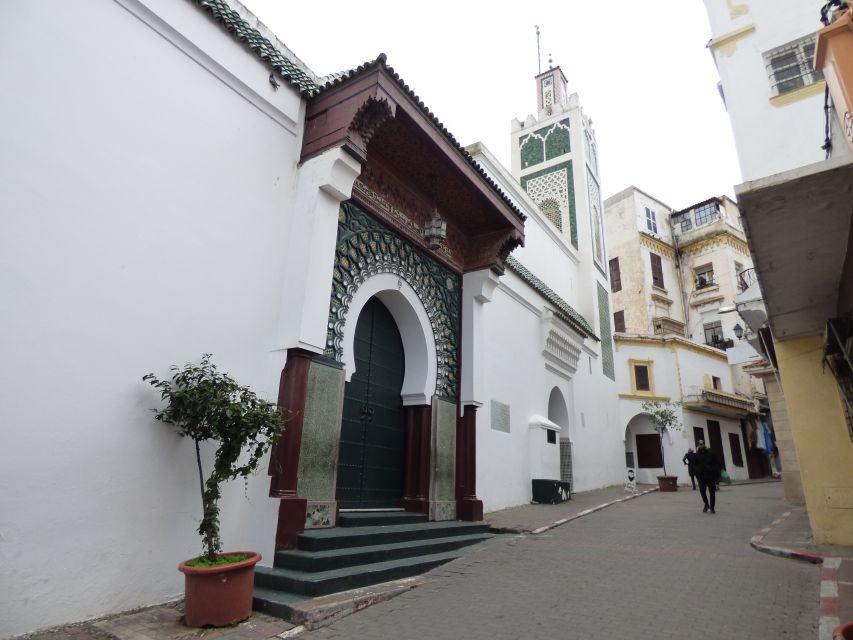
(555, 183)
(422, 296)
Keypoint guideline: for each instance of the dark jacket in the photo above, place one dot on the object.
(690, 460)
(707, 465)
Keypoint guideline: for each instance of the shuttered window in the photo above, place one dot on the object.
(657, 270)
(615, 276)
(641, 377)
(619, 321)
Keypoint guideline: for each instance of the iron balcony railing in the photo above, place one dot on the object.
(722, 345)
(746, 278)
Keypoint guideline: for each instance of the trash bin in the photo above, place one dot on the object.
(551, 491)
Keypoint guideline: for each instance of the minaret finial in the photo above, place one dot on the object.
(538, 53)
(550, 62)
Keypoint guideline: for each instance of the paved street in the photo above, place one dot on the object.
(651, 568)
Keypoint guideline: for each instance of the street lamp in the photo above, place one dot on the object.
(738, 331)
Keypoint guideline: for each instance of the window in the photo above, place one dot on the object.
(615, 276)
(651, 221)
(789, 67)
(648, 451)
(551, 436)
(684, 221)
(705, 276)
(706, 213)
(619, 321)
(641, 377)
(713, 332)
(657, 270)
(716, 383)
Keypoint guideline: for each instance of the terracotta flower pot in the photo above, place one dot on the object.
(668, 483)
(219, 596)
(844, 632)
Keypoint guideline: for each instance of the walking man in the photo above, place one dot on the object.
(707, 472)
(690, 460)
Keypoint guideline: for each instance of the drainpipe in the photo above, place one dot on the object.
(680, 276)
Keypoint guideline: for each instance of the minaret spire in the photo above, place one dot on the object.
(538, 53)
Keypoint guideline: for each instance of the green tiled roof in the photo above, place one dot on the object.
(564, 310)
(310, 88)
(263, 48)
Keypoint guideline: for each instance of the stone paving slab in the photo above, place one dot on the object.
(162, 622)
(652, 568)
(789, 536)
(531, 517)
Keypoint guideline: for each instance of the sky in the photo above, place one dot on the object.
(641, 69)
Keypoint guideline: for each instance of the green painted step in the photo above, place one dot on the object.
(324, 582)
(344, 537)
(380, 518)
(350, 556)
(275, 603)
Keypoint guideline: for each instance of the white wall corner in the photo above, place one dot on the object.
(478, 287)
(338, 173)
(480, 284)
(323, 182)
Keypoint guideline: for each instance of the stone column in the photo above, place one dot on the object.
(469, 507)
(418, 443)
(478, 287)
(284, 460)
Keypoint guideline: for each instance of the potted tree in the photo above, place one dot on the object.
(205, 404)
(663, 417)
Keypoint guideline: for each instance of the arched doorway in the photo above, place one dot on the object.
(371, 454)
(643, 449)
(558, 413)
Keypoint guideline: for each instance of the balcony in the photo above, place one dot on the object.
(834, 56)
(665, 326)
(745, 279)
(721, 344)
(721, 403)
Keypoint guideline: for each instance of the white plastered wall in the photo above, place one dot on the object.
(147, 220)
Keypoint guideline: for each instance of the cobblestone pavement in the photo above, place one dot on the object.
(647, 569)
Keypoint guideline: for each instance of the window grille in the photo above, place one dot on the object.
(565, 461)
(789, 66)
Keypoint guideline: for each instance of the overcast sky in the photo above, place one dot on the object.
(641, 69)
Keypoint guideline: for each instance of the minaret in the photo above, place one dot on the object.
(555, 159)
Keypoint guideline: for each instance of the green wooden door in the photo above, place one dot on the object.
(370, 459)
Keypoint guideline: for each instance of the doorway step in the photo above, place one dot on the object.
(364, 549)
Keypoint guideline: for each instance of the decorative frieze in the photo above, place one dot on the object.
(367, 248)
(560, 350)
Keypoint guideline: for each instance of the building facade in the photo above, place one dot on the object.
(333, 247)
(673, 276)
(796, 204)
